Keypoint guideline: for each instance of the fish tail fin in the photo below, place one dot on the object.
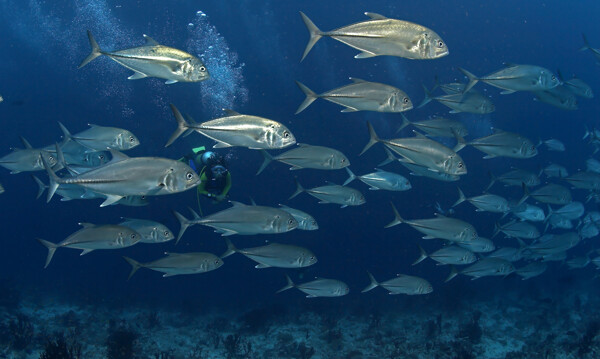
(389, 159)
(54, 179)
(51, 250)
(525, 194)
(351, 176)
(372, 285)
(96, 51)
(230, 249)
(453, 273)
(267, 159)
(311, 96)
(550, 213)
(586, 44)
(427, 98)
(497, 229)
(422, 257)
(194, 214)
(184, 222)
(289, 284)
(587, 132)
(182, 126)
(492, 180)
(135, 265)
(461, 197)
(315, 34)
(299, 188)
(65, 131)
(41, 186)
(397, 219)
(460, 141)
(405, 123)
(373, 139)
(472, 79)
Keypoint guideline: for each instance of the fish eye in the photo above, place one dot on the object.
(189, 176)
(51, 158)
(131, 139)
(202, 69)
(405, 100)
(291, 221)
(314, 223)
(166, 233)
(286, 134)
(272, 125)
(460, 165)
(143, 197)
(133, 236)
(553, 78)
(312, 258)
(440, 43)
(101, 157)
(343, 160)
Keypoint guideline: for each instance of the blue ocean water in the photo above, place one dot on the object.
(252, 50)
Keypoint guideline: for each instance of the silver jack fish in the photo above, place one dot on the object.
(154, 60)
(514, 78)
(151, 231)
(442, 227)
(308, 156)
(422, 151)
(383, 36)
(381, 179)
(275, 255)
(179, 263)
(306, 222)
(333, 193)
(402, 284)
(485, 267)
(361, 95)
(320, 287)
(237, 130)
(242, 220)
(92, 237)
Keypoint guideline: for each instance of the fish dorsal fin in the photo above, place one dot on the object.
(87, 225)
(509, 64)
(375, 16)
(25, 142)
(237, 204)
(497, 130)
(439, 215)
(150, 41)
(357, 80)
(283, 206)
(229, 112)
(331, 183)
(252, 201)
(117, 156)
(93, 125)
(303, 145)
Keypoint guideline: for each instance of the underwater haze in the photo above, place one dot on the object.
(517, 89)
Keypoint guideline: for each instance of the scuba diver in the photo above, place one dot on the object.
(215, 179)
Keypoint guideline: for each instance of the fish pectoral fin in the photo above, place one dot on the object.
(85, 251)
(349, 109)
(428, 237)
(374, 189)
(311, 296)
(295, 168)
(507, 92)
(170, 82)
(344, 206)
(168, 275)
(261, 265)
(324, 202)
(488, 157)
(136, 76)
(364, 55)
(150, 41)
(110, 199)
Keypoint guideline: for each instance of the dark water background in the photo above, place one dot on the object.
(256, 50)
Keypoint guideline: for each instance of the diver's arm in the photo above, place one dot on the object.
(227, 185)
(202, 186)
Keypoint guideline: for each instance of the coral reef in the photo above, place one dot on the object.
(121, 343)
(61, 348)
